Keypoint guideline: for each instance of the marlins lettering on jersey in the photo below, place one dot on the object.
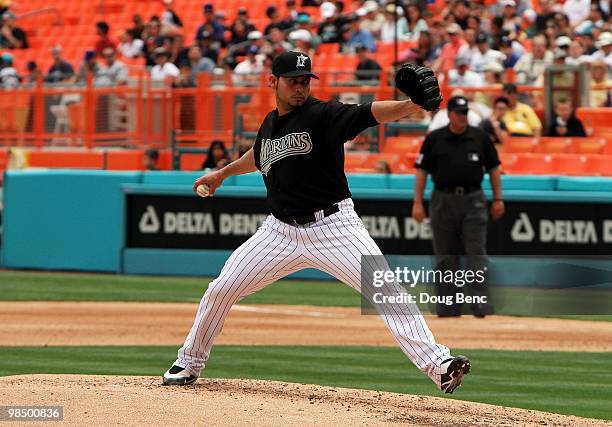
(293, 144)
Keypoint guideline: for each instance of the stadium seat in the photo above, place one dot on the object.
(553, 145)
(403, 144)
(599, 165)
(533, 163)
(597, 119)
(66, 159)
(570, 164)
(124, 160)
(520, 144)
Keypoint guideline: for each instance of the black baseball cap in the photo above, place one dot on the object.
(292, 64)
(458, 104)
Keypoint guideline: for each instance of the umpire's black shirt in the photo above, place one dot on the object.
(457, 160)
(301, 154)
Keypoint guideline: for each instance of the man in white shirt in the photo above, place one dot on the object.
(461, 75)
(577, 10)
(112, 72)
(531, 65)
(249, 70)
(482, 54)
(163, 70)
(604, 43)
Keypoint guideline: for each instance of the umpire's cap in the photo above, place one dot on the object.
(458, 104)
(292, 64)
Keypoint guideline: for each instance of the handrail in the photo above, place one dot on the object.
(42, 11)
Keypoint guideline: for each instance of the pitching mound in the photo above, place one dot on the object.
(108, 400)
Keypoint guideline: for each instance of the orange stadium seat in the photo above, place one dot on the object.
(599, 165)
(553, 145)
(353, 159)
(516, 144)
(403, 144)
(588, 145)
(533, 163)
(66, 159)
(570, 164)
(124, 160)
(597, 119)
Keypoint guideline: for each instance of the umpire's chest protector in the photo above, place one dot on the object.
(301, 154)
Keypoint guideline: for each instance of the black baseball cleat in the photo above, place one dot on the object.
(453, 370)
(178, 376)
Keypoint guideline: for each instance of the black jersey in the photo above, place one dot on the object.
(301, 154)
(457, 160)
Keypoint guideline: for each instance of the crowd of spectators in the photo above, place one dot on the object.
(468, 44)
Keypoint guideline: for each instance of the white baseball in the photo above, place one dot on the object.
(203, 190)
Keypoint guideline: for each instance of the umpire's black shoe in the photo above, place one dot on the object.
(453, 370)
(178, 376)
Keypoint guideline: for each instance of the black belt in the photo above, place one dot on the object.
(459, 191)
(305, 219)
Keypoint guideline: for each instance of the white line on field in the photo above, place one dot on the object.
(253, 309)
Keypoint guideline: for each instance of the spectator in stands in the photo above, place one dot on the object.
(275, 21)
(460, 13)
(130, 46)
(170, 21)
(520, 119)
(243, 147)
(576, 10)
(373, 20)
(292, 12)
(563, 24)
(604, 44)
(198, 63)
(150, 159)
(152, 39)
(185, 79)
(239, 33)
(211, 26)
(455, 46)
(564, 121)
(89, 66)
(112, 72)
(4, 6)
(382, 167)
(388, 29)
(217, 156)
(494, 126)
(492, 74)
(9, 78)
(248, 71)
(528, 24)
(104, 40)
(178, 51)
(597, 16)
(138, 26)
(359, 36)
(367, 68)
(277, 43)
(415, 22)
(12, 37)
(243, 17)
(302, 40)
(546, 14)
(600, 84)
(461, 75)
(576, 54)
(208, 46)
(33, 74)
(424, 53)
(511, 22)
(483, 54)
(507, 50)
(164, 70)
(329, 29)
(585, 38)
(60, 70)
(531, 65)
(303, 23)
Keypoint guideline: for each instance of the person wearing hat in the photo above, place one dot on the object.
(372, 19)
(482, 54)
(248, 71)
(88, 66)
(367, 68)
(331, 27)
(9, 78)
(302, 41)
(604, 44)
(60, 70)
(211, 27)
(456, 46)
(506, 46)
(299, 150)
(11, 36)
(164, 70)
(457, 156)
(391, 26)
(461, 75)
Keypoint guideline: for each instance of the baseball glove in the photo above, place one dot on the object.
(420, 84)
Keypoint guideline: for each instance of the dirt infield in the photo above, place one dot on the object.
(103, 323)
(107, 400)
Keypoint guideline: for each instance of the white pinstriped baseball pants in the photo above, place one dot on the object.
(333, 244)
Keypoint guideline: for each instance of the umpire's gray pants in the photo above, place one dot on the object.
(459, 227)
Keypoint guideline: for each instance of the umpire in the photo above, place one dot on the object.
(457, 156)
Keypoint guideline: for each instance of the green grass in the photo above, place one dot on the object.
(44, 286)
(28, 286)
(560, 382)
